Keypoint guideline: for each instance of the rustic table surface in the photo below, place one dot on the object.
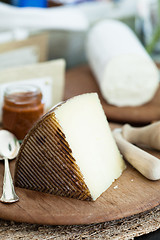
(142, 225)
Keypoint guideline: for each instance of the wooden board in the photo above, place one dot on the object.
(130, 194)
(81, 80)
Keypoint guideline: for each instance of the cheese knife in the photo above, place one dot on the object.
(148, 135)
(145, 163)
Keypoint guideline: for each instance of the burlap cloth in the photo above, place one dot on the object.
(126, 228)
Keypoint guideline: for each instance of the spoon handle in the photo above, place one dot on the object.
(8, 195)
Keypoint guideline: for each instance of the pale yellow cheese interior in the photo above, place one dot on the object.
(88, 134)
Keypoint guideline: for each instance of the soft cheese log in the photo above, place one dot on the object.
(124, 71)
(70, 151)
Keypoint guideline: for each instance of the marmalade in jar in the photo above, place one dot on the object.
(22, 107)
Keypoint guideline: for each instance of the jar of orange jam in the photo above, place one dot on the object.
(22, 107)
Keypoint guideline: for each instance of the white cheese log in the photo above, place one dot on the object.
(126, 74)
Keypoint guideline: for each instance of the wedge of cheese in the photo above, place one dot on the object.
(70, 151)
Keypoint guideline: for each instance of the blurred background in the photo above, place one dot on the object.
(67, 22)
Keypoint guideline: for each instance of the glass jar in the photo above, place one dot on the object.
(22, 107)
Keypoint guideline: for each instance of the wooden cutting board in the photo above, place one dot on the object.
(130, 194)
(81, 80)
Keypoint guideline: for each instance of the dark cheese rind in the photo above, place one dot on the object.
(45, 162)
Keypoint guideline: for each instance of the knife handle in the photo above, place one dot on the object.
(148, 135)
(145, 163)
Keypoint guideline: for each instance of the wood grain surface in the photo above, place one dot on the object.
(130, 194)
(81, 80)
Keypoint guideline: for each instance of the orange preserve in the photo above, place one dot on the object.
(22, 107)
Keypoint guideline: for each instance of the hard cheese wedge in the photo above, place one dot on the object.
(70, 151)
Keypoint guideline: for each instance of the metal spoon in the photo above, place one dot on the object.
(9, 147)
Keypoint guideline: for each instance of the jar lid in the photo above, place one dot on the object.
(22, 94)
